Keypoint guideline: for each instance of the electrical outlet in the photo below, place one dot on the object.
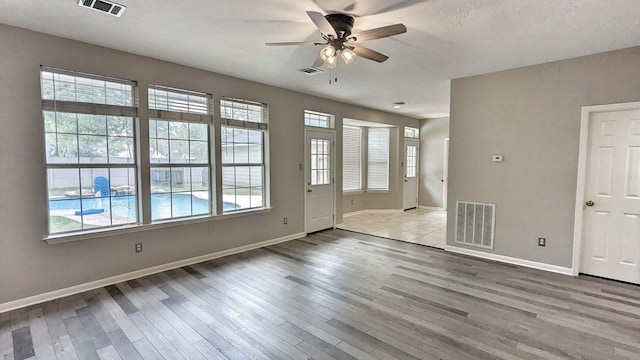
(138, 247)
(352, 201)
(542, 241)
(285, 221)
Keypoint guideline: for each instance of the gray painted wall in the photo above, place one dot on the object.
(531, 116)
(30, 266)
(432, 135)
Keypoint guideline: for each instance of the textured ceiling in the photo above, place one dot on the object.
(446, 39)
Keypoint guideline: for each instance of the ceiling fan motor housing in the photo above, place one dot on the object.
(342, 23)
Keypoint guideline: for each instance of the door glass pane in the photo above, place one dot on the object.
(320, 165)
(412, 161)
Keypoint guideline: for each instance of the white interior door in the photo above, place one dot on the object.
(611, 219)
(319, 180)
(410, 188)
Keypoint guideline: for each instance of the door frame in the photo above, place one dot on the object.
(445, 174)
(305, 177)
(583, 154)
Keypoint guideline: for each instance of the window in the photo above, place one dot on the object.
(243, 134)
(378, 159)
(351, 158)
(312, 118)
(320, 162)
(410, 132)
(179, 122)
(90, 150)
(412, 161)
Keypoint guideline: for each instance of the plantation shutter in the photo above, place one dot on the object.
(378, 159)
(351, 154)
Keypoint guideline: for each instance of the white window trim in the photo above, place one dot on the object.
(262, 126)
(330, 119)
(132, 111)
(378, 190)
(78, 107)
(185, 117)
(128, 229)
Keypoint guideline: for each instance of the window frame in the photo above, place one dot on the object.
(249, 125)
(310, 115)
(386, 160)
(411, 132)
(141, 158)
(411, 169)
(60, 106)
(200, 115)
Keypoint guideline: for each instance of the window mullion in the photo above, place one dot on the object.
(216, 159)
(143, 146)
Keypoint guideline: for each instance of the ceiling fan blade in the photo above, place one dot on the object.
(369, 54)
(294, 43)
(322, 23)
(378, 33)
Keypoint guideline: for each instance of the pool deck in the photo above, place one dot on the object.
(104, 219)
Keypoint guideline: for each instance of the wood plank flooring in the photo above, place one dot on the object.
(336, 295)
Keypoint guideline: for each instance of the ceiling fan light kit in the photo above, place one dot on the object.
(335, 30)
(348, 55)
(327, 52)
(331, 62)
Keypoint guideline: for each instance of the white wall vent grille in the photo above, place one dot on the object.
(475, 224)
(104, 6)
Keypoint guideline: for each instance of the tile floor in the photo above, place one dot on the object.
(419, 226)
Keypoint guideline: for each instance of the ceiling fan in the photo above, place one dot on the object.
(336, 32)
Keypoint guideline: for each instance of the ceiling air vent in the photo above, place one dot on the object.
(310, 70)
(108, 7)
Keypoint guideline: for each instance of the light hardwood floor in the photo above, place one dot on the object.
(336, 295)
(418, 226)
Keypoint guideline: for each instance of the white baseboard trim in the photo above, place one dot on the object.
(510, 260)
(76, 289)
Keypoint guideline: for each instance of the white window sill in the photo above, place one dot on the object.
(352, 192)
(377, 191)
(126, 229)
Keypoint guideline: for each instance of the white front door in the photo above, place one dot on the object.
(410, 189)
(319, 180)
(611, 218)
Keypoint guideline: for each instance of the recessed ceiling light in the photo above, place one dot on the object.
(398, 104)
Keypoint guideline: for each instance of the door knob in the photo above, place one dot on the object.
(309, 190)
(589, 203)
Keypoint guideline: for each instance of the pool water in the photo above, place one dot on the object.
(163, 206)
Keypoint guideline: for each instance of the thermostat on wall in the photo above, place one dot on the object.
(497, 158)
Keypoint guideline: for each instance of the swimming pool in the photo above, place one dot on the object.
(163, 206)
